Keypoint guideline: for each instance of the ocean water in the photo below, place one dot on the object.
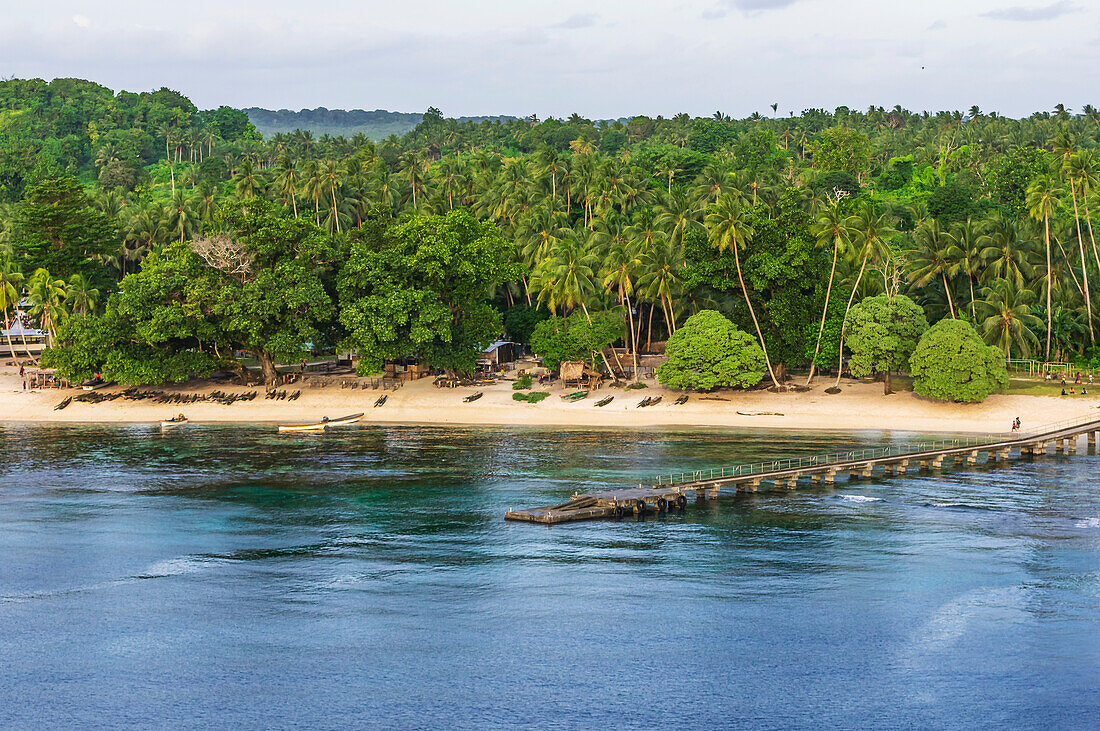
(227, 576)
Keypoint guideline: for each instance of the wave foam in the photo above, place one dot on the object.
(860, 499)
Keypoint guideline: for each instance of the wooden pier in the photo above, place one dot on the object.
(670, 492)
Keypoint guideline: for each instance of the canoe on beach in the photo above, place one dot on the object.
(576, 396)
(759, 413)
(473, 397)
(321, 425)
(605, 401)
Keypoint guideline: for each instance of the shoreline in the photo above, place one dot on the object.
(860, 407)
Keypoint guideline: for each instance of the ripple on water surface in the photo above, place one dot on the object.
(232, 575)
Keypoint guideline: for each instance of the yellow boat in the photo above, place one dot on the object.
(321, 425)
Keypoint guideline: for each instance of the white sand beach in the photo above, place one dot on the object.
(860, 406)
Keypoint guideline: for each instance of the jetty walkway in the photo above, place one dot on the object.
(669, 492)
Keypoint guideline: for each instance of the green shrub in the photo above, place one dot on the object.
(521, 383)
(951, 363)
(532, 398)
(709, 352)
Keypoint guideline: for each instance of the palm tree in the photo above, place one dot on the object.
(11, 282)
(1076, 169)
(46, 296)
(1006, 254)
(1086, 174)
(247, 181)
(286, 181)
(331, 174)
(181, 218)
(677, 214)
(549, 162)
(870, 231)
(412, 169)
(730, 229)
(80, 295)
(1009, 323)
(314, 188)
(660, 280)
(931, 258)
(832, 227)
(620, 269)
(1042, 198)
(568, 276)
(965, 252)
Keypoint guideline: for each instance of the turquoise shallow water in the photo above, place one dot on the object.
(230, 576)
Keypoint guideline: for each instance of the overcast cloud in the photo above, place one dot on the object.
(614, 58)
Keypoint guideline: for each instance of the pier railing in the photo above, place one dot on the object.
(857, 455)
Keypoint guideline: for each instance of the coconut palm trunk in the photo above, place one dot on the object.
(602, 354)
(633, 336)
(7, 334)
(752, 312)
(1084, 268)
(1046, 234)
(844, 323)
(947, 290)
(824, 312)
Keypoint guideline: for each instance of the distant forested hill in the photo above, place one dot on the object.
(377, 125)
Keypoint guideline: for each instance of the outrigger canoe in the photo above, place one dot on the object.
(321, 425)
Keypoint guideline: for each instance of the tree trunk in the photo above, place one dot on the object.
(335, 214)
(602, 355)
(671, 317)
(7, 333)
(886, 385)
(649, 332)
(752, 311)
(824, 312)
(947, 290)
(267, 365)
(844, 322)
(1084, 267)
(1092, 237)
(294, 200)
(1046, 233)
(633, 338)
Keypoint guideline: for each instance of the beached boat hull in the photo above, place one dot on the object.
(168, 423)
(321, 425)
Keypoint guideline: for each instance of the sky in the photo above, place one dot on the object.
(613, 58)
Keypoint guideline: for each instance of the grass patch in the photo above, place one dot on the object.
(635, 386)
(522, 383)
(1032, 387)
(532, 398)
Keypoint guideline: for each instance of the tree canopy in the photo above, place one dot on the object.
(709, 352)
(882, 333)
(420, 288)
(951, 363)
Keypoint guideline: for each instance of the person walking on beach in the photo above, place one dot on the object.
(22, 371)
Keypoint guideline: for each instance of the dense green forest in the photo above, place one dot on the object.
(153, 239)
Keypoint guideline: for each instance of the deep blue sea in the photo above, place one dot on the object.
(227, 576)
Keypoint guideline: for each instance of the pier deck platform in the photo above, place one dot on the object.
(670, 492)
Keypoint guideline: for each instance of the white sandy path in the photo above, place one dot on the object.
(859, 406)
